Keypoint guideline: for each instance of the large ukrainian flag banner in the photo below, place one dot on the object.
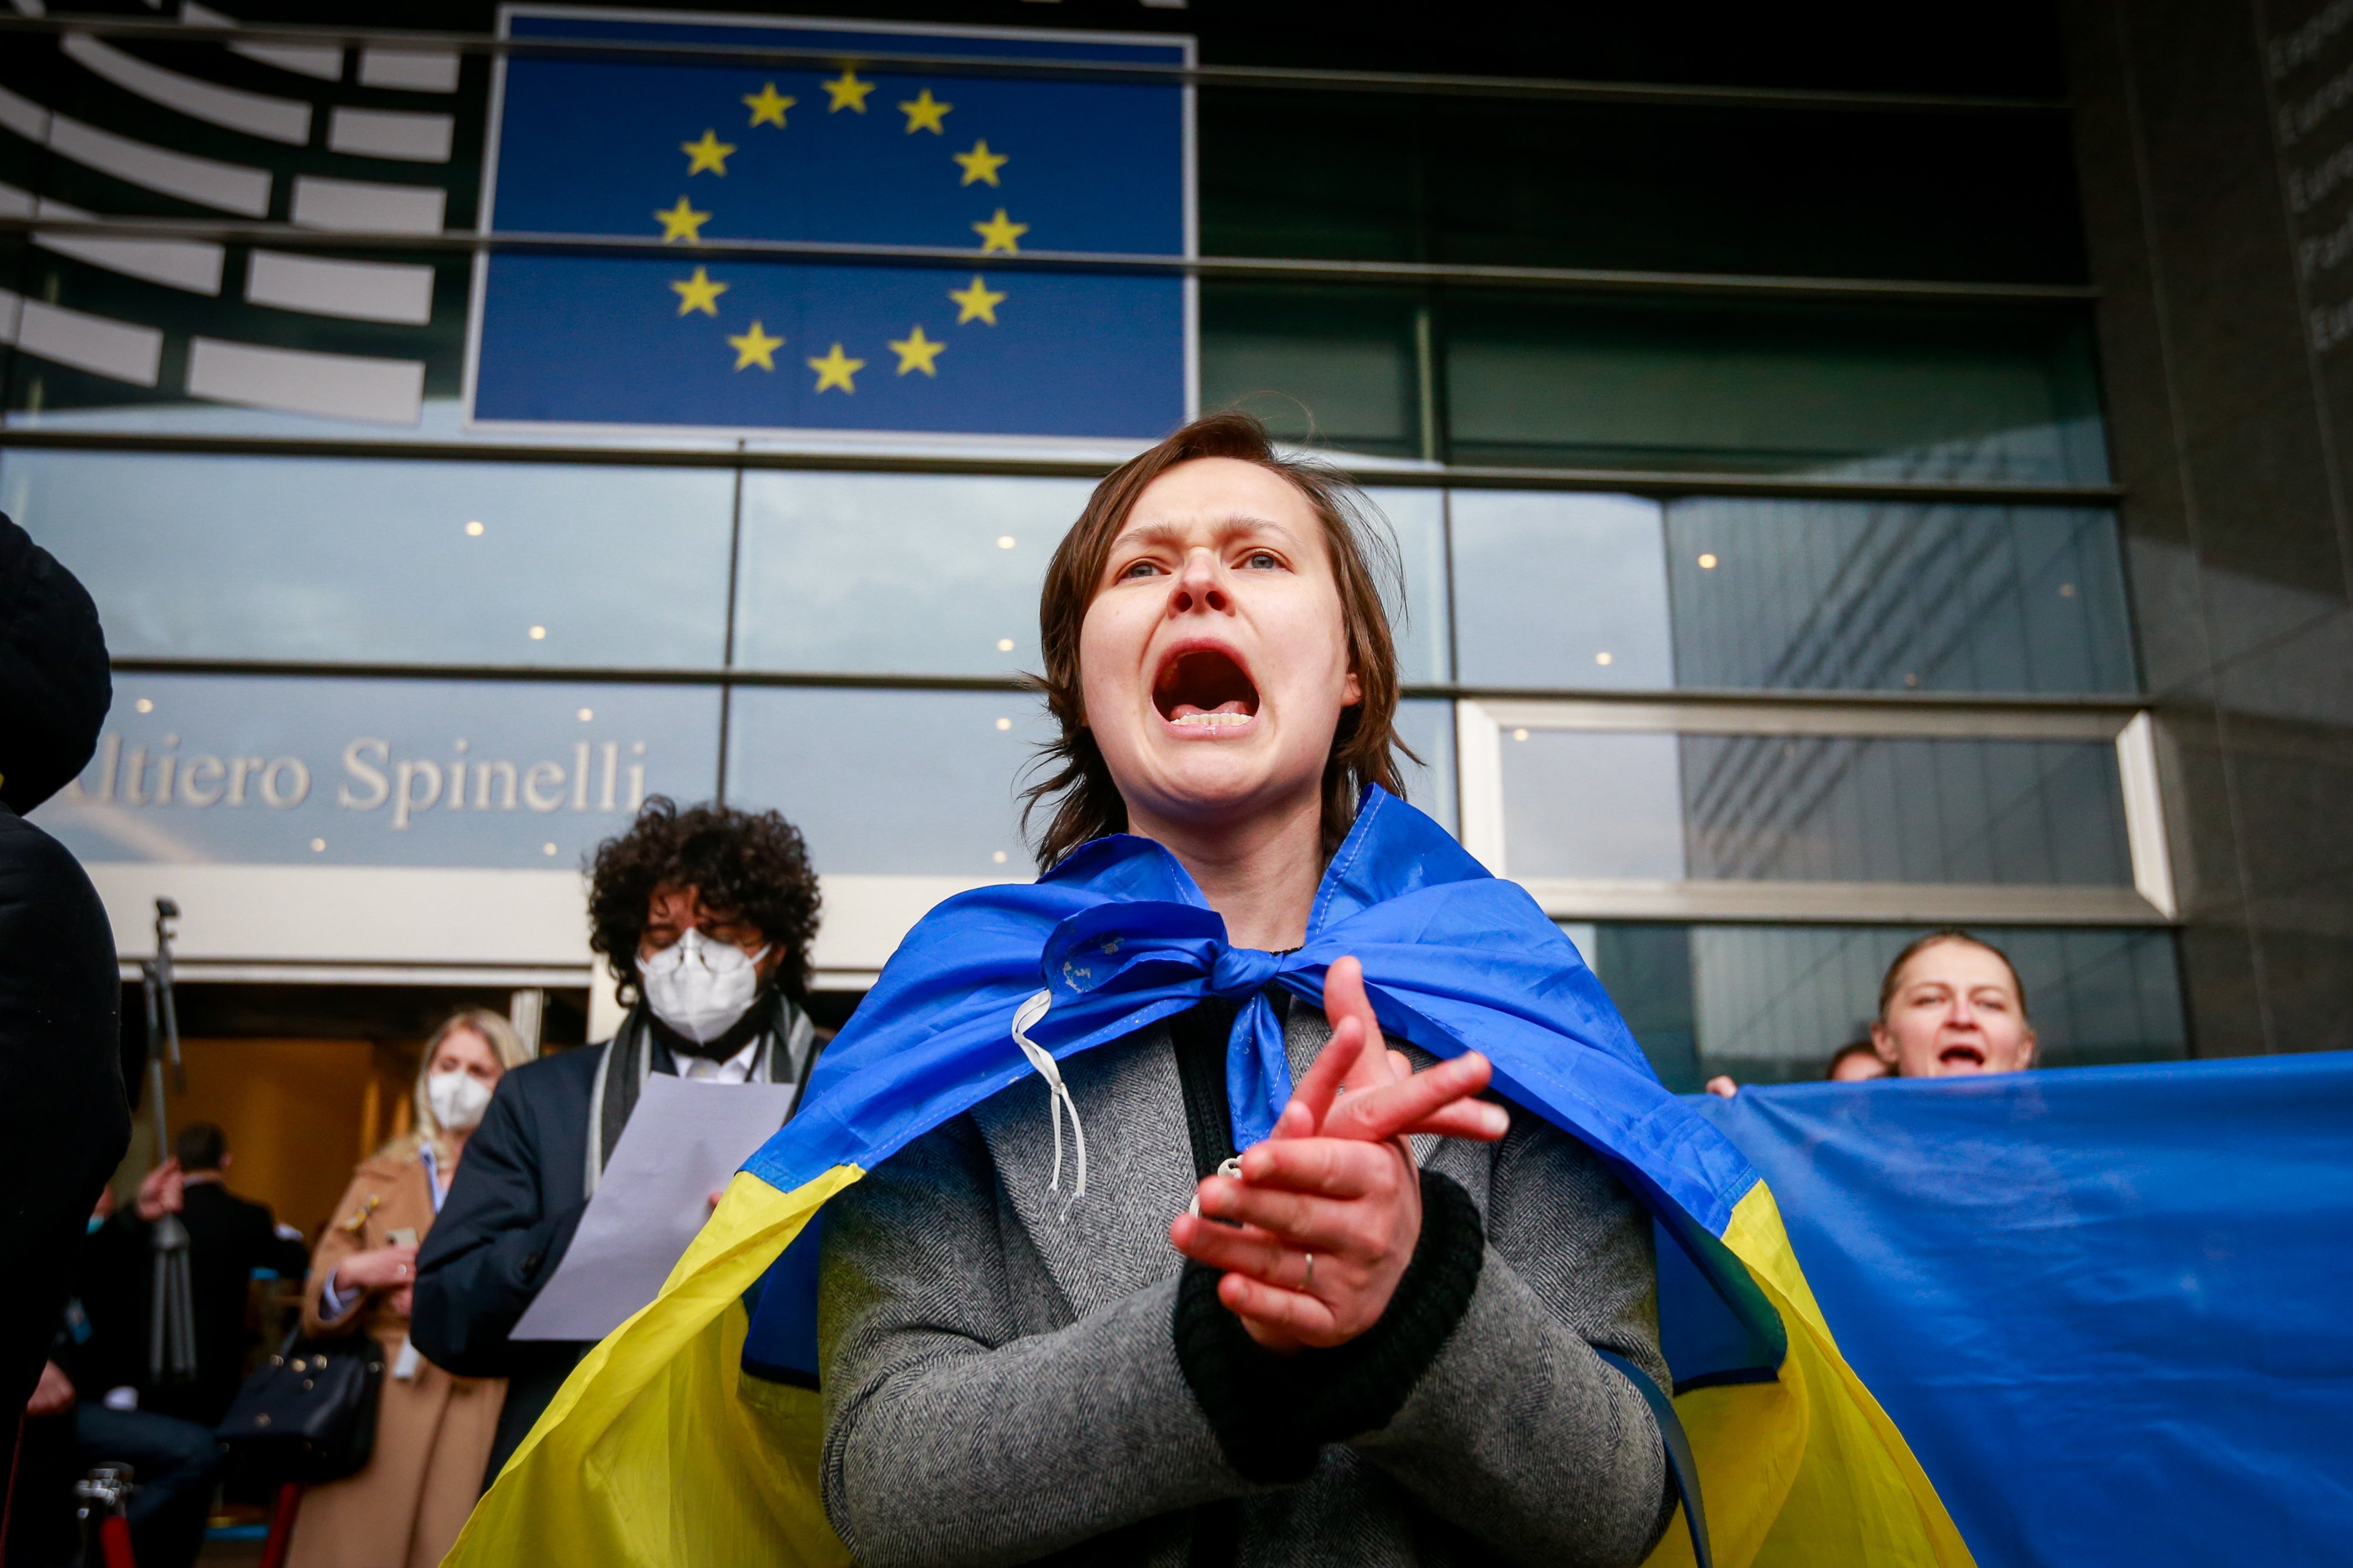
(888, 139)
(688, 1438)
(2107, 1305)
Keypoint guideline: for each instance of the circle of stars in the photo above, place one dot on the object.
(836, 369)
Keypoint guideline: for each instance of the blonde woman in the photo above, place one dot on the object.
(433, 1430)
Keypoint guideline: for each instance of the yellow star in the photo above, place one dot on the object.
(699, 293)
(849, 93)
(923, 111)
(768, 105)
(836, 369)
(975, 303)
(980, 163)
(998, 233)
(755, 347)
(708, 153)
(682, 222)
(917, 351)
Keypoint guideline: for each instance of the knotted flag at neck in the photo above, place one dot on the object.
(1118, 937)
(1003, 983)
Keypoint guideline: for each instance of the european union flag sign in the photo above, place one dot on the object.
(859, 151)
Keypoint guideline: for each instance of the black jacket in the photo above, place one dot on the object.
(64, 1119)
(510, 1214)
(229, 1238)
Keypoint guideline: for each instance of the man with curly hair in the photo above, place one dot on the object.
(706, 915)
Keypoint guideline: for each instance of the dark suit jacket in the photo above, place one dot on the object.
(228, 1238)
(509, 1217)
(64, 1119)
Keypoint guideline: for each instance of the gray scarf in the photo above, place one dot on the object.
(787, 1047)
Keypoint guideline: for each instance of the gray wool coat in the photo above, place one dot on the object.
(1003, 1382)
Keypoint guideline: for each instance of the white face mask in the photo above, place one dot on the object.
(699, 987)
(458, 1098)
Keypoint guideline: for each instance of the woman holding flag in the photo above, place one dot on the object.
(1160, 1211)
(1358, 1360)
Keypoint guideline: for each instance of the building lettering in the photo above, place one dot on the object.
(2314, 256)
(2309, 188)
(289, 794)
(595, 778)
(2331, 325)
(2298, 48)
(360, 770)
(195, 780)
(2300, 120)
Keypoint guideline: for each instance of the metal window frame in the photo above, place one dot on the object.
(482, 242)
(1372, 473)
(1478, 731)
(1427, 84)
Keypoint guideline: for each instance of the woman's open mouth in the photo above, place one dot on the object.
(1971, 1057)
(1205, 689)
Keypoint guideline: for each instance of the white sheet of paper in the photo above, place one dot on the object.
(683, 1142)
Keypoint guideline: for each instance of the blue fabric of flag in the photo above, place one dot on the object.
(2106, 1306)
(847, 154)
(1455, 958)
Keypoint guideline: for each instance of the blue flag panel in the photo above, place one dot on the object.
(847, 154)
(2105, 1305)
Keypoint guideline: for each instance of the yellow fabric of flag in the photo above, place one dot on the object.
(658, 1453)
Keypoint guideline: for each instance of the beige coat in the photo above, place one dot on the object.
(433, 1431)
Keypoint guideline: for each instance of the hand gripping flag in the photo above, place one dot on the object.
(682, 1439)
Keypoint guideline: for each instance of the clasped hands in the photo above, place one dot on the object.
(1318, 1229)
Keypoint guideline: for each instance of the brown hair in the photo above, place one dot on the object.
(1082, 801)
(1949, 933)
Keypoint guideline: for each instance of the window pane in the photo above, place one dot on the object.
(283, 770)
(367, 562)
(1825, 193)
(1646, 969)
(1812, 808)
(890, 783)
(1418, 520)
(1658, 188)
(1333, 367)
(897, 573)
(1896, 391)
(1427, 726)
(1308, 173)
(1833, 808)
(1560, 590)
(1830, 596)
(1592, 806)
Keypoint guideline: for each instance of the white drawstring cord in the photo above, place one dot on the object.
(1058, 1093)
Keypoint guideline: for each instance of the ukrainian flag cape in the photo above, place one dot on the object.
(688, 1438)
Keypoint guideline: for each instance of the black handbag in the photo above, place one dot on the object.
(308, 1416)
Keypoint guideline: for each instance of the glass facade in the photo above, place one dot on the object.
(1841, 597)
(893, 573)
(394, 563)
(415, 650)
(1599, 592)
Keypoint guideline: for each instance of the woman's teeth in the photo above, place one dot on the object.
(1224, 713)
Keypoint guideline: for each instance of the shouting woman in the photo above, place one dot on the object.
(1373, 1343)
(1266, 1183)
